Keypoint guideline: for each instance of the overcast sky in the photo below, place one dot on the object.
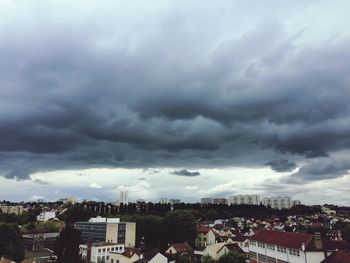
(179, 99)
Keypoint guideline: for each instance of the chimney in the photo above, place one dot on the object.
(318, 240)
(88, 253)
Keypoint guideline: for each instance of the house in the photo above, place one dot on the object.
(229, 248)
(340, 256)
(153, 257)
(130, 255)
(213, 250)
(205, 236)
(274, 246)
(182, 249)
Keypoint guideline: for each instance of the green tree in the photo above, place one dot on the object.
(180, 226)
(11, 243)
(67, 247)
(76, 213)
(346, 233)
(207, 259)
(232, 257)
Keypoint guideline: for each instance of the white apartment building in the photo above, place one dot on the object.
(244, 200)
(296, 202)
(45, 216)
(285, 247)
(124, 197)
(277, 202)
(206, 200)
(99, 252)
(163, 200)
(12, 209)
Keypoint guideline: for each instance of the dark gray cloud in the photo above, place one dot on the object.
(321, 168)
(172, 89)
(282, 165)
(185, 172)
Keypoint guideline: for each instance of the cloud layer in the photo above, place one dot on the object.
(174, 85)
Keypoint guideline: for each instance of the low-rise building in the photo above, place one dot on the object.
(285, 247)
(99, 252)
(111, 230)
(45, 216)
(205, 236)
(130, 255)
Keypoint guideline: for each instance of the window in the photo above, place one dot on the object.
(99, 250)
(271, 260)
(271, 247)
(294, 252)
(260, 244)
(281, 249)
(252, 243)
(112, 260)
(262, 258)
(253, 255)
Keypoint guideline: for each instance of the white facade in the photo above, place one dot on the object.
(277, 202)
(124, 197)
(163, 200)
(262, 252)
(244, 200)
(100, 251)
(296, 202)
(206, 200)
(45, 216)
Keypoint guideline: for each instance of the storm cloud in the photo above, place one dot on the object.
(185, 172)
(176, 85)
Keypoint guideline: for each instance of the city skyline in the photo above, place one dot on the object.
(174, 99)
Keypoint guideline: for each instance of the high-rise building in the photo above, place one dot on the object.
(296, 202)
(244, 200)
(124, 195)
(277, 202)
(206, 200)
(163, 200)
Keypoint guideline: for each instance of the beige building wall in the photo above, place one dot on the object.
(130, 234)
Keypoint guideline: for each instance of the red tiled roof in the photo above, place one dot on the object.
(232, 247)
(284, 239)
(129, 252)
(203, 229)
(182, 247)
(340, 256)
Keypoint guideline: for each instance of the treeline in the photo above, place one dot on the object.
(203, 211)
(21, 219)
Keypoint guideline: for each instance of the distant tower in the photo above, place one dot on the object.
(124, 197)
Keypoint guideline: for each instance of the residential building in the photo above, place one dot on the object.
(130, 255)
(99, 252)
(124, 197)
(67, 200)
(163, 200)
(12, 209)
(174, 201)
(286, 247)
(277, 202)
(219, 200)
(183, 249)
(244, 200)
(296, 203)
(205, 236)
(45, 216)
(206, 200)
(153, 257)
(108, 230)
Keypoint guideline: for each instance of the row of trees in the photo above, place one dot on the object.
(216, 210)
